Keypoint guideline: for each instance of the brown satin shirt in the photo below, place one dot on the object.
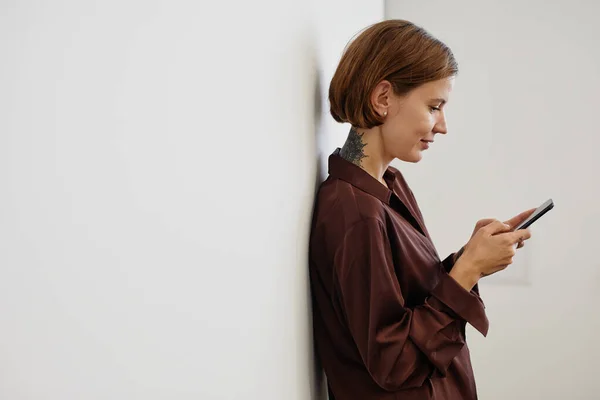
(389, 321)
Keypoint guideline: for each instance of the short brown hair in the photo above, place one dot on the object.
(395, 50)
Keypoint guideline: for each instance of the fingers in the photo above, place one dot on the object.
(496, 227)
(516, 220)
(483, 222)
(519, 236)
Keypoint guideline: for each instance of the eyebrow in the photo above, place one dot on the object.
(439, 100)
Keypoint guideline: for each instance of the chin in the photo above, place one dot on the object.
(412, 157)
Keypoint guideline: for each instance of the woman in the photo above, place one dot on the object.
(389, 315)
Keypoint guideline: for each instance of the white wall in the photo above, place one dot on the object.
(523, 128)
(158, 169)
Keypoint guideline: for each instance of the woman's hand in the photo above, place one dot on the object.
(513, 223)
(491, 249)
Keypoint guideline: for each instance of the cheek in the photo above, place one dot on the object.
(428, 122)
(422, 126)
(418, 121)
(406, 128)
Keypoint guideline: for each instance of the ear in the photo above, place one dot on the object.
(380, 97)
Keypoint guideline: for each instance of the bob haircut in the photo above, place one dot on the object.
(398, 51)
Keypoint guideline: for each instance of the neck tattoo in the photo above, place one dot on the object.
(353, 149)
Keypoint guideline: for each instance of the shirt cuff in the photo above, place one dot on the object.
(448, 263)
(467, 305)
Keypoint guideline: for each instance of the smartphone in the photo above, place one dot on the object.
(541, 210)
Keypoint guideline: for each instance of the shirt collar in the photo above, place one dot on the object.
(359, 178)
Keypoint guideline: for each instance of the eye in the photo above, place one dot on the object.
(432, 109)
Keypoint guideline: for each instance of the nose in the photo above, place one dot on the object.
(440, 126)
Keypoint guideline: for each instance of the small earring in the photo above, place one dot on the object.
(385, 113)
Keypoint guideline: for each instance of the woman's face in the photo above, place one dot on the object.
(414, 119)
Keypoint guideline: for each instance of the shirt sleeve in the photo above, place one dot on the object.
(400, 346)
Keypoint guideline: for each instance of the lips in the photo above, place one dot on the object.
(425, 143)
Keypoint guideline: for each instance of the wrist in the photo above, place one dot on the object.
(458, 254)
(465, 275)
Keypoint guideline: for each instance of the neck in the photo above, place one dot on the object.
(363, 147)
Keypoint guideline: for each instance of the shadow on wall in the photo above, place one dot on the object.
(318, 384)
